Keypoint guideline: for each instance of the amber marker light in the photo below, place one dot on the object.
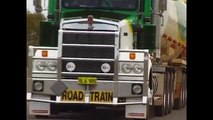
(132, 56)
(44, 53)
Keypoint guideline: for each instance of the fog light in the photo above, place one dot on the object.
(126, 68)
(38, 86)
(136, 89)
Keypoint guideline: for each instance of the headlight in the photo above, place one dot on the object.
(40, 65)
(105, 67)
(70, 66)
(51, 66)
(126, 68)
(136, 89)
(38, 85)
(137, 68)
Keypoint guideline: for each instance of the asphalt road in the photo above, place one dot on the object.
(174, 115)
(101, 115)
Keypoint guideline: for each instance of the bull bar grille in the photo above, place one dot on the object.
(88, 51)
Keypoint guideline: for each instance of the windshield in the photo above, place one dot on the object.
(101, 4)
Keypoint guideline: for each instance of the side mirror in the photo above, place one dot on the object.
(162, 5)
(38, 7)
(36, 2)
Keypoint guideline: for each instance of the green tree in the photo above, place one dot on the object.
(33, 27)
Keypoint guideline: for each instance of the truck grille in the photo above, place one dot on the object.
(88, 51)
(88, 38)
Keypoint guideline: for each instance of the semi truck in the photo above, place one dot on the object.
(120, 54)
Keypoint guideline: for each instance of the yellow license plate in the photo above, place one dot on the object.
(73, 95)
(101, 96)
(87, 80)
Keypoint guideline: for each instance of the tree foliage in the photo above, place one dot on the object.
(33, 27)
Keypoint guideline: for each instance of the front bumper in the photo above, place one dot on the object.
(58, 100)
(120, 89)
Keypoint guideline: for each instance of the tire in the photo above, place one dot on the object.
(160, 109)
(151, 110)
(182, 97)
(178, 102)
(184, 90)
(172, 90)
(167, 93)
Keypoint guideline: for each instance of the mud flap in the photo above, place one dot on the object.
(39, 108)
(136, 111)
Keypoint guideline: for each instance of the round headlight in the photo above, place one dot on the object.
(51, 66)
(137, 68)
(70, 66)
(136, 89)
(38, 86)
(105, 67)
(126, 68)
(40, 65)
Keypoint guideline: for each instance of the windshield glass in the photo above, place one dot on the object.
(101, 4)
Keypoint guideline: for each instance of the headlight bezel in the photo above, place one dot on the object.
(135, 69)
(54, 63)
(38, 65)
(129, 66)
(45, 65)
